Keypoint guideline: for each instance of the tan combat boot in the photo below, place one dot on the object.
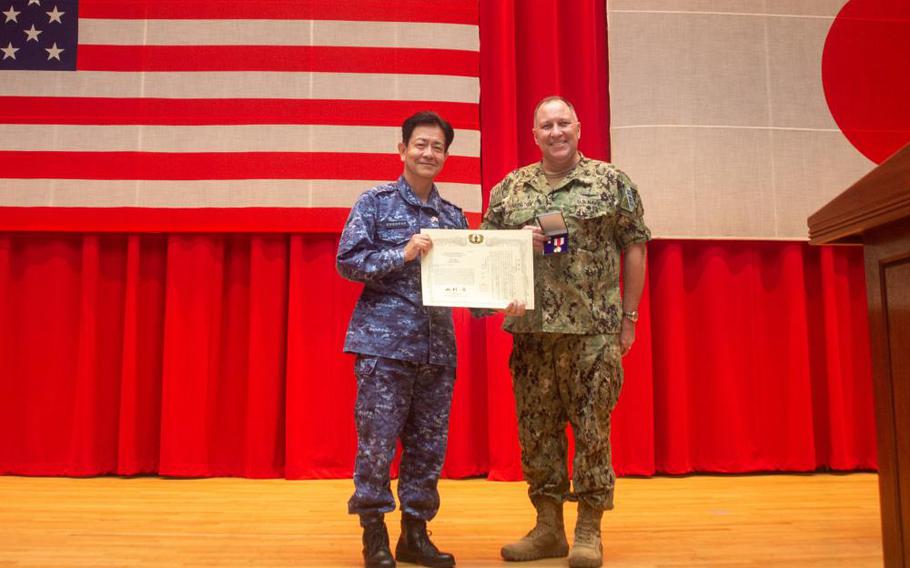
(546, 540)
(587, 551)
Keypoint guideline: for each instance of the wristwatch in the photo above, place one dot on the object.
(631, 316)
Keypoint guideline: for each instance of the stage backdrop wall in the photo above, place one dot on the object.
(220, 354)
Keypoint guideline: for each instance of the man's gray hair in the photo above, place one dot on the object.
(550, 99)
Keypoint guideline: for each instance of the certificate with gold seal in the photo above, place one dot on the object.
(478, 269)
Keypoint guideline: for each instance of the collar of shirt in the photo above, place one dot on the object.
(579, 172)
(407, 193)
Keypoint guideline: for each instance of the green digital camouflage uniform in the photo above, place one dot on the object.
(566, 361)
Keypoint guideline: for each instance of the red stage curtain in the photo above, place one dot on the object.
(204, 355)
(221, 355)
(530, 50)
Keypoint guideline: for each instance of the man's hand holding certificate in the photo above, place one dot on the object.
(478, 269)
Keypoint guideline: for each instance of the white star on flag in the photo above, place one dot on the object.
(55, 15)
(9, 52)
(32, 33)
(11, 15)
(36, 2)
(53, 52)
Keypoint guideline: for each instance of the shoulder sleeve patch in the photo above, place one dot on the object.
(628, 199)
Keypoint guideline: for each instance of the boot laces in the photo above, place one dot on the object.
(421, 536)
(543, 527)
(586, 533)
(426, 542)
(376, 537)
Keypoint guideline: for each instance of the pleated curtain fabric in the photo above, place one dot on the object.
(211, 355)
(220, 354)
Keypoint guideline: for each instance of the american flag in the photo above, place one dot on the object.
(265, 115)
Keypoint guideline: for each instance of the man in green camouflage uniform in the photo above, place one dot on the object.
(567, 353)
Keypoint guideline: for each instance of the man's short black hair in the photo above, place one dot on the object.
(426, 118)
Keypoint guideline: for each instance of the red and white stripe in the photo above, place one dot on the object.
(229, 104)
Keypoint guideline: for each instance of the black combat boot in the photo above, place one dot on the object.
(376, 551)
(414, 545)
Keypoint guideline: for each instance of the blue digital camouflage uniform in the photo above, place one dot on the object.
(566, 361)
(405, 365)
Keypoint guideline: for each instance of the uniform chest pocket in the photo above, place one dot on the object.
(394, 233)
(591, 206)
(520, 217)
(591, 220)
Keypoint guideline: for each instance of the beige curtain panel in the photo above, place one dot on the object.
(719, 115)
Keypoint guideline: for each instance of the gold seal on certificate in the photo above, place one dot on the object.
(478, 269)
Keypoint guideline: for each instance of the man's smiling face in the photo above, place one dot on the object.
(556, 132)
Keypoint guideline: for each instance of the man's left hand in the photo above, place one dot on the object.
(537, 237)
(626, 336)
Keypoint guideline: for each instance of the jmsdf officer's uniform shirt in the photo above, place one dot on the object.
(390, 319)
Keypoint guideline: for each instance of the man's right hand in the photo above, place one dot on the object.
(516, 308)
(419, 244)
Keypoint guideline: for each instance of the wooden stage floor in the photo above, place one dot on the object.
(817, 520)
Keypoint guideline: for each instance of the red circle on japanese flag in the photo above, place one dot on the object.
(866, 75)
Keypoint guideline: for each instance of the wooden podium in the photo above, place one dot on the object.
(875, 212)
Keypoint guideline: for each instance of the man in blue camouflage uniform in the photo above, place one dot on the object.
(405, 366)
(567, 353)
